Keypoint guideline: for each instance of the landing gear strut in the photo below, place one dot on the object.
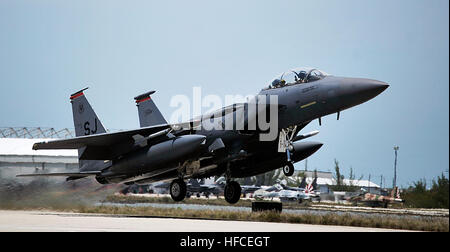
(232, 192)
(285, 141)
(178, 190)
(285, 145)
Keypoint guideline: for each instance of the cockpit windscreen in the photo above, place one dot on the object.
(297, 76)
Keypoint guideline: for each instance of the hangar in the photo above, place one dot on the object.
(18, 157)
(326, 179)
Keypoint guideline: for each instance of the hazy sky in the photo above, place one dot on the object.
(50, 49)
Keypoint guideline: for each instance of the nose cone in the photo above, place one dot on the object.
(354, 91)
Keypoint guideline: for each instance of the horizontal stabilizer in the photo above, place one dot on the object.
(61, 174)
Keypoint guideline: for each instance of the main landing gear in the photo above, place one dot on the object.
(178, 190)
(232, 192)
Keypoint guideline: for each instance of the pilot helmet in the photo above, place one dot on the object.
(302, 75)
(276, 82)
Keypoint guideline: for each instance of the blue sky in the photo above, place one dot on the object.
(49, 49)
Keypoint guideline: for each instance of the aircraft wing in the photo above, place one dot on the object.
(250, 189)
(105, 146)
(99, 140)
(207, 187)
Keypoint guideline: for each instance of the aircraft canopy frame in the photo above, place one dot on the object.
(297, 76)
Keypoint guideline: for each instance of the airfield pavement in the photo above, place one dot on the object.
(43, 221)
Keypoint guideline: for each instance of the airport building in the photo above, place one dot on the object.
(18, 157)
(326, 179)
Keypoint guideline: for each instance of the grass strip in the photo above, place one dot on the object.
(126, 199)
(420, 224)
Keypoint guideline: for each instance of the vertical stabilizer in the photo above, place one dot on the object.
(395, 193)
(85, 120)
(303, 183)
(149, 114)
(314, 184)
(194, 183)
(86, 123)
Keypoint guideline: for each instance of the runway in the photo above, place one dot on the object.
(37, 221)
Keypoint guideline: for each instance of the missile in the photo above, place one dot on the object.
(310, 134)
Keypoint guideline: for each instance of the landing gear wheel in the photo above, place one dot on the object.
(288, 169)
(232, 192)
(178, 190)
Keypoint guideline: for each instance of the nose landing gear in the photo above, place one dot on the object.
(288, 169)
(285, 145)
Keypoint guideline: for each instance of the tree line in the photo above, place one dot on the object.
(419, 196)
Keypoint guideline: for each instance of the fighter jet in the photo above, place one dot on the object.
(194, 187)
(159, 151)
(303, 192)
(269, 192)
(311, 192)
(249, 189)
(282, 192)
(376, 200)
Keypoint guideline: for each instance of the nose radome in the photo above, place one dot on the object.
(357, 90)
(372, 86)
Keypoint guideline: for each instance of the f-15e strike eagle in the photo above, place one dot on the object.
(159, 151)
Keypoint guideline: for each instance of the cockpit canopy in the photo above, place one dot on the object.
(297, 76)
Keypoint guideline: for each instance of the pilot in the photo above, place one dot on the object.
(302, 76)
(275, 83)
(278, 83)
